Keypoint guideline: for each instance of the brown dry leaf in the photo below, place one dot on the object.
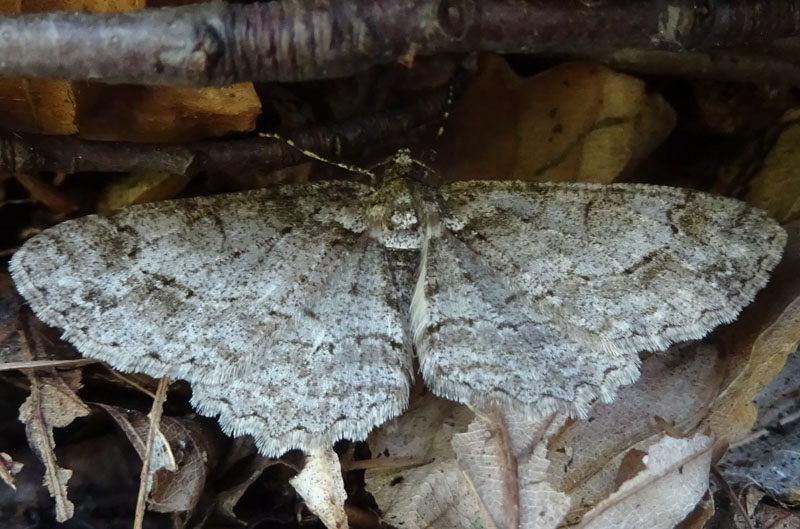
(606, 462)
(52, 404)
(504, 456)
(575, 122)
(164, 113)
(674, 479)
(47, 106)
(431, 495)
(776, 186)
(182, 451)
(10, 304)
(739, 108)
(702, 513)
(139, 188)
(769, 457)
(46, 193)
(492, 475)
(227, 499)
(8, 469)
(755, 348)
(773, 517)
(321, 486)
(590, 456)
(37, 105)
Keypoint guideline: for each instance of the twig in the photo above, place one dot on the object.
(392, 463)
(217, 43)
(31, 153)
(144, 478)
(129, 381)
(720, 65)
(723, 483)
(8, 366)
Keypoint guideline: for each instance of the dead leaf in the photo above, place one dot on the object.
(589, 456)
(769, 457)
(165, 113)
(755, 348)
(702, 513)
(776, 186)
(182, 451)
(504, 456)
(139, 188)
(52, 404)
(10, 305)
(673, 481)
(739, 108)
(227, 499)
(432, 495)
(46, 193)
(492, 475)
(774, 517)
(37, 105)
(8, 469)
(575, 122)
(321, 486)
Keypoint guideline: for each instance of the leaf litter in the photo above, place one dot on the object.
(713, 385)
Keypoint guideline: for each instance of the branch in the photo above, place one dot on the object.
(219, 44)
(719, 65)
(24, 153)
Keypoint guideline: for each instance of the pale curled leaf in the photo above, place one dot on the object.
(491, 476)
(52, 404)
(504, 456)
(8, 469)
(321, 486)
(178, 461)
(135, 426)
(431, 495)
(661, 495)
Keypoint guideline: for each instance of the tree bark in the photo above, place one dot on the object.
(219, 44)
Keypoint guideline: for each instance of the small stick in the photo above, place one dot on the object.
(144, 478)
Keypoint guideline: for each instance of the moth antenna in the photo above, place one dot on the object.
(315, 156)
(448, 105)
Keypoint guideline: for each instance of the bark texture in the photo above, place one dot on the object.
(219, 44)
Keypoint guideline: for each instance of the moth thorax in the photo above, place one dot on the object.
(392, 215)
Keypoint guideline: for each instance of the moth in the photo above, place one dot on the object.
(297, 312)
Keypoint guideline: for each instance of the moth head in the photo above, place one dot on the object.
(392, 212)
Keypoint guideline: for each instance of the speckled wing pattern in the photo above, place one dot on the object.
(549, 291)
(275, 305)
(295, 312)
